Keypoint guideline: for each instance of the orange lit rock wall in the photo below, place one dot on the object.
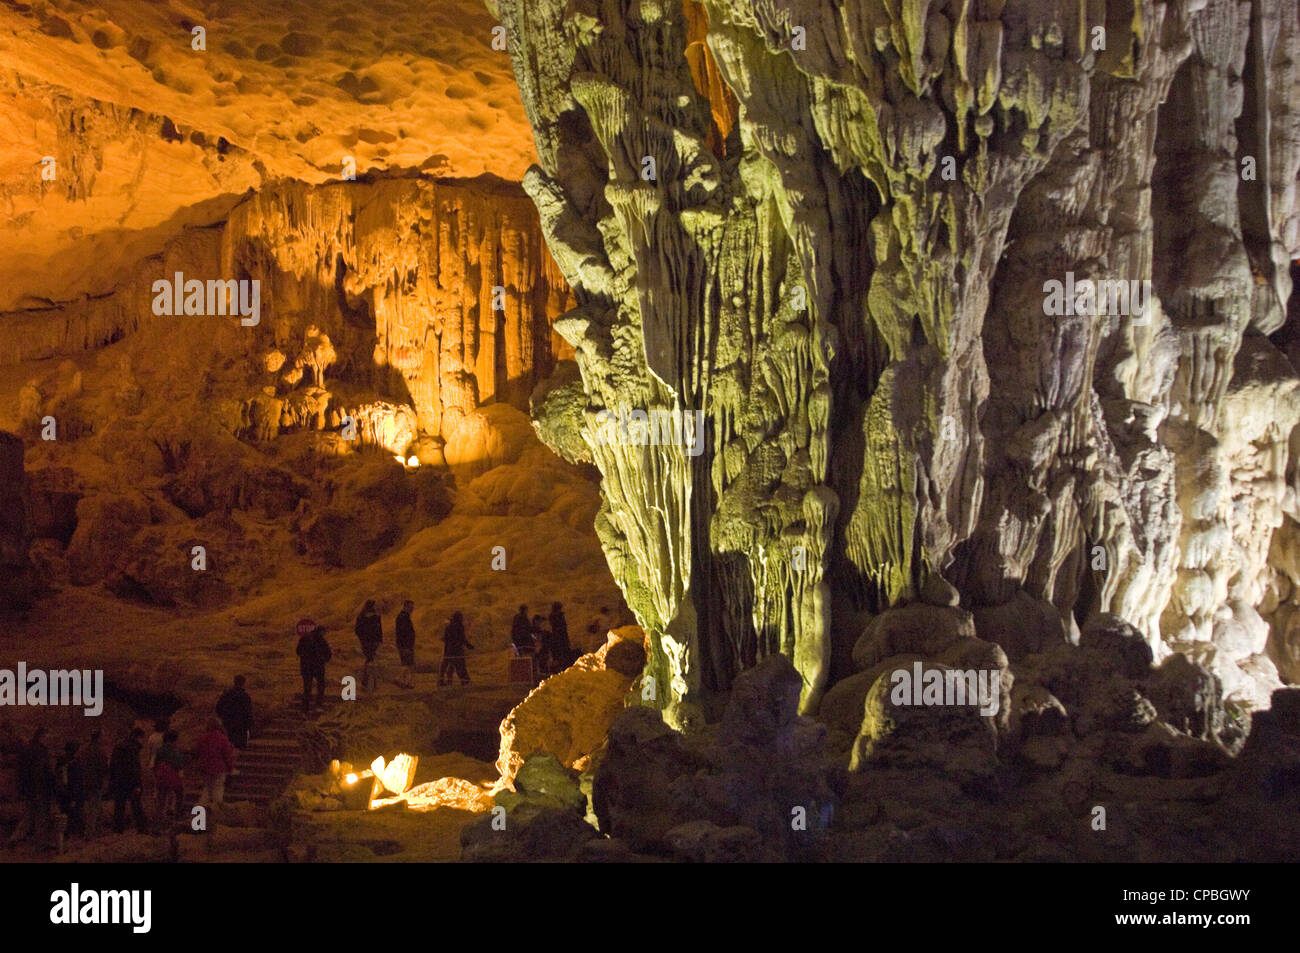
(436, 295)
(439, 294)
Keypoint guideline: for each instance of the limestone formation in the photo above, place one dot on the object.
(17, 578)
(846, 233)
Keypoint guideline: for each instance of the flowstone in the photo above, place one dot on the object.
(834, 230)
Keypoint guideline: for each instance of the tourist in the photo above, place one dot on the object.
(521, 633)
(454, 642)
(151, 745)
(71, 786)
(313, 653)
(94, 774)
(562, 648)
(406, 635)
(370, 630)
(169, 772)
(124, 781)
(36, 787)
(216, 759)
(235, 709)
(542, 640)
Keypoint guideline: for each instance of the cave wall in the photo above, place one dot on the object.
(399, 298)
(842, 256)
(123, 125)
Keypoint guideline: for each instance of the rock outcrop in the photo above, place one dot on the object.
(977, 306)
(17, 576)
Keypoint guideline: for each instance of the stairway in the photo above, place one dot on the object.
(271, 760)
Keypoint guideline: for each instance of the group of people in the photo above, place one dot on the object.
(548, 644)
(455, 642)
(84, 775)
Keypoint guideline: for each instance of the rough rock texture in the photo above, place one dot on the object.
(757, 786)
(841, 253)
(149, 134)
(17, 578)
(403, 303)
(568, 715)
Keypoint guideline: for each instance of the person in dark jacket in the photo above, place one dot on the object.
(454, 642)
(370, 630)
(313, 653)
(124, 782)
(235, 709)
(561, 648)
(36, 788)
(71, 786)
(521, 633)
(94, 775)
(405, 636)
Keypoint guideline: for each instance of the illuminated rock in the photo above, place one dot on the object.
(832, 229)
(569, 713)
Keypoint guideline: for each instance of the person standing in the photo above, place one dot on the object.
(169, 778)
(405, 635)
(313, 653)
(71, 787)
(124, 781)
(454, 642)
(561, 648)
(370, 630)
(542, 639)
(521, 633)
(235, 709)
(36, 787)
(94, 774)
(216, 759)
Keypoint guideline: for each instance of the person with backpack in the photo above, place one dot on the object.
(454, 642)
(313, 653)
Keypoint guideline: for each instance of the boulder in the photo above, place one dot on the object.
(707, 843)
(1117, 645)
(1188, 697)
(955, 740)
(569, 713)
(918, 629)
(1023, 626)
(763, 705)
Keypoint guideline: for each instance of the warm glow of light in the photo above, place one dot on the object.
(351, 779)
(412, 461)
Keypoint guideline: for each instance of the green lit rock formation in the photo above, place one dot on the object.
(832, 229)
